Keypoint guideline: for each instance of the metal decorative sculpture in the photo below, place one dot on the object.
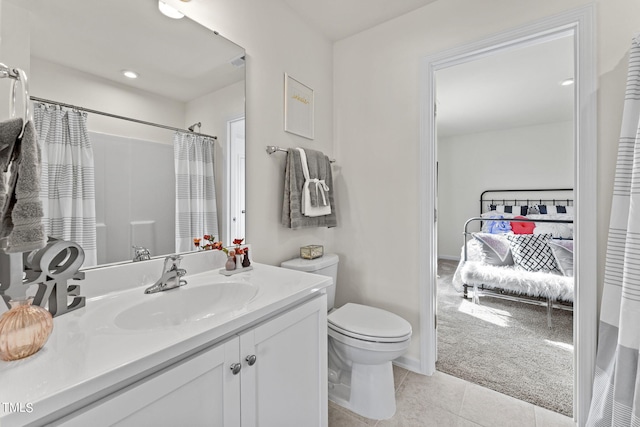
(51, 268)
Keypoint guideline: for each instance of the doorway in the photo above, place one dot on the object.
(498, 119)
(236, 184)
(579, 24)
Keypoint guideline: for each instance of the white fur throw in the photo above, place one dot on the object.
(510, 278)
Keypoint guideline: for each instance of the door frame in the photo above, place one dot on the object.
(581, 23)
(229, 196)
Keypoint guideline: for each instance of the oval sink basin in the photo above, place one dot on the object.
(185, 304)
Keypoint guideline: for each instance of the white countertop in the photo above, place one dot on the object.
(88, 354)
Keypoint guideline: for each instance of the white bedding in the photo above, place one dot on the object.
(511, 278)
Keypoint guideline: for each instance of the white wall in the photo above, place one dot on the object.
(376, 119)
(14, 48)
(526, 157)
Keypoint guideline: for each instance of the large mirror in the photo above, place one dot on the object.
(189, 78)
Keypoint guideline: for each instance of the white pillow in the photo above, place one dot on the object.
(558, 230)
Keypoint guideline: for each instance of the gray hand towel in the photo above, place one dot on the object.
(24, 229)
(291, 207)
(9, 131)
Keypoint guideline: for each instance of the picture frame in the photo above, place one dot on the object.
(298, 108)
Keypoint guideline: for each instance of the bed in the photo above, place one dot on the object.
(521, 249)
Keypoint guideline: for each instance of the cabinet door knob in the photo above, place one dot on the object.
(235, 368)
(251, 359)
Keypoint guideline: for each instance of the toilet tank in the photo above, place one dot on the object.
(326, 265)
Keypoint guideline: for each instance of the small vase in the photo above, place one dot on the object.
(231, 263)
(245, 261)
(238, 261)
(24, 329)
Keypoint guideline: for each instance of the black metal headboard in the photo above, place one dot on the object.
(526, 197)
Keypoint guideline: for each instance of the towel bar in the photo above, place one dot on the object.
(272, 149)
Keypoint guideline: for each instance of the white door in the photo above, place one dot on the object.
(284, 369)
(236, 196)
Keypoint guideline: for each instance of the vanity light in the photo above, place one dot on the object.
(130, 74)
(169, 10)
(567, 82)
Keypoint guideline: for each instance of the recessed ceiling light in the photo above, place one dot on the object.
(169, 11)
(130, 74)
(567, 82)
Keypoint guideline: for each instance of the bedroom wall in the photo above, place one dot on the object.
(525, 157)
(377, 125)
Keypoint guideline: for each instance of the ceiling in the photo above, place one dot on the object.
(179, 59)
(519, 87)
(337, 19)
(508, 89)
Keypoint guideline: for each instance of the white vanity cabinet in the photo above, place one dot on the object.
(271, 374)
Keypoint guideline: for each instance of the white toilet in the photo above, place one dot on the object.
(362, 343)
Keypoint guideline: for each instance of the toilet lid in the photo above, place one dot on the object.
(369, 323)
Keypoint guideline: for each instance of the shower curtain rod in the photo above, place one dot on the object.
(115, 116)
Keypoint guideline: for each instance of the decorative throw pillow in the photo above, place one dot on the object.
(496, 248)
(563, 252)
(532, 252)
(522, 227)
(496, 227)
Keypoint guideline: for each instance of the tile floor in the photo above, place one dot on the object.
(442, 400)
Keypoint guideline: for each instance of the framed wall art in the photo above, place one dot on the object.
(298, 107)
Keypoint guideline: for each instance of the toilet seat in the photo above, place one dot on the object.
(369, 324)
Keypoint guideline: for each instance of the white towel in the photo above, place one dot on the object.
(321, 187)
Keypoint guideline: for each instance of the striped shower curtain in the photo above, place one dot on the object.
(616, 389)
(196, 211)
(67, 180)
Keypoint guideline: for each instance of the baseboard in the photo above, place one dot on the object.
(449, 257)
(408, 363)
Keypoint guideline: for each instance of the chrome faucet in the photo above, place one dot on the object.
(140, 253)
(171, 276)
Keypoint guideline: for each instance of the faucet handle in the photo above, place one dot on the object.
(172, 262)
(140, 253)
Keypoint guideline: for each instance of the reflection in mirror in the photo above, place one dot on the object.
(189, 79)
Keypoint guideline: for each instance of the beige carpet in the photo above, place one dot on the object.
(506, 346)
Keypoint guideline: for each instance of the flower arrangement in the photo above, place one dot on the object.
(208, 243)
(238, 250)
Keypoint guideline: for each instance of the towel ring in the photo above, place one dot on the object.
(22, 78)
